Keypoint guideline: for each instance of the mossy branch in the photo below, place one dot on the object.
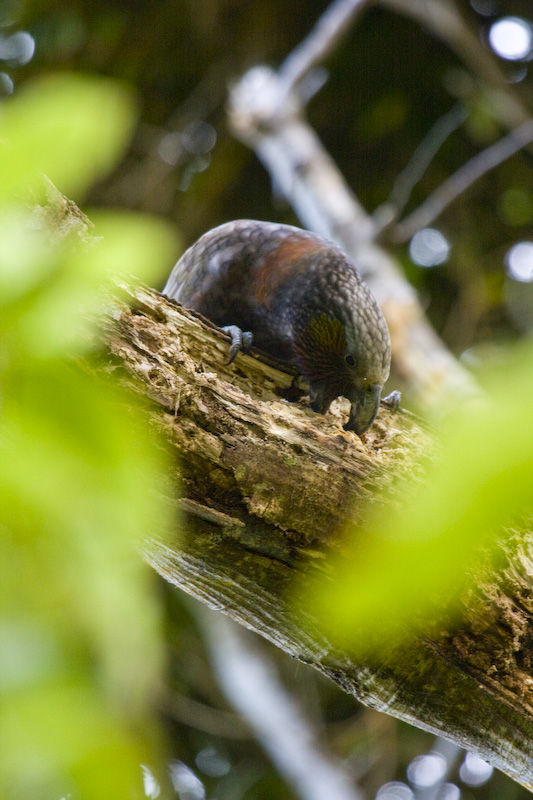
(267, 485)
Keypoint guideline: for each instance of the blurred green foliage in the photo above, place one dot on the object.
(412, 561)
(77, 143)
(79, 466)
(516, 206)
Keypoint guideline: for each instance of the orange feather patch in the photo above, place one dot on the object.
(282, 263)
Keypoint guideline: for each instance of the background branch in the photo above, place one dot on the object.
(329, 29)
(418, 163)
(461, 180)
(252, 686)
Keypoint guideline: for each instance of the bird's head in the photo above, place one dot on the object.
(367, 359)
(348, 358)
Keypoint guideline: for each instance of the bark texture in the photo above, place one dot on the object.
(266, 486)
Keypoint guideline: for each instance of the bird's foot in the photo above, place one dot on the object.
(392, 400)
(240, 340)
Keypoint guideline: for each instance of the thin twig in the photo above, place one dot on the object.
(323, 38)
(461, 180)
(419, 162)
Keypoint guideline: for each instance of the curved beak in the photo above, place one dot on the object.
(365, 406)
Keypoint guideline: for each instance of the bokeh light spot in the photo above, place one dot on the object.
(429, 247)
(511, 38)
(17, 49)
(170, 148)
(212, 763)
(151, 786)
(6, 84)
(520, 262)
(395, 790)
(185, 782)
(485, 7)
(448, 791)
(199, 137)
(426, 770)
(474, 771)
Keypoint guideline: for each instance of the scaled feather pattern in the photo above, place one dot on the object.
(302, 300)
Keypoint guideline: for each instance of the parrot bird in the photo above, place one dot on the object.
(299, 298)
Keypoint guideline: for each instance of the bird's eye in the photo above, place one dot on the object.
(350, 359)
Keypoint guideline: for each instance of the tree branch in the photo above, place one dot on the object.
(269, 485)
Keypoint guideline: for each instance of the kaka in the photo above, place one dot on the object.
(301, 299)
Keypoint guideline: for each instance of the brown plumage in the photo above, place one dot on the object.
(301, 299)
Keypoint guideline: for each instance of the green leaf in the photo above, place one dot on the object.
(70, 280)
(69, 127)
(81, 470)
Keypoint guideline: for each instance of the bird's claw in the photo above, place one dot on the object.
(392, 400)
(240, 340)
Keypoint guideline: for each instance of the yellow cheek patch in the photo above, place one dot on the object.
(328, 333)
